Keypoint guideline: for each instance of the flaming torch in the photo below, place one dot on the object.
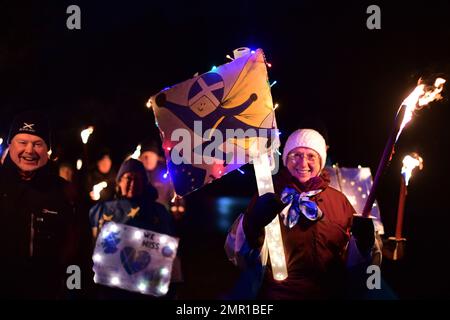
(395, 248)
(137, 152)
(86, 133)
(96, 189)
(84, 138)
(419, 97)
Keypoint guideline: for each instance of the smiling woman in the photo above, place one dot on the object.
(305, 154)
(319, 231)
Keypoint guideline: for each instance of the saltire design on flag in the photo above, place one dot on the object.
(232, 96)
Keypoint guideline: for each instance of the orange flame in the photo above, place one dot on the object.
(86, 133)
(421, 96)
(410, 162)
(96, 189)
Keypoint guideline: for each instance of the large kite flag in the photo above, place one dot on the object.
(210, 123)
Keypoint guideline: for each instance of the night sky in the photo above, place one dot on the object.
(328, 65)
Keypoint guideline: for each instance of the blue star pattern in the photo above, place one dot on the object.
(110, 242)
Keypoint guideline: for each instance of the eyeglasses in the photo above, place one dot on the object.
(297, 157)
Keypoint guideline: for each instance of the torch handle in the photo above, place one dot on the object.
(401, 209)
(384, 161)
(85, 157)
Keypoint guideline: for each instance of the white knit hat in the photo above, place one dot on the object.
(306, 138)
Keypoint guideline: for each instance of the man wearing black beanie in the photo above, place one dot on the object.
(29, 142)
(36, 214)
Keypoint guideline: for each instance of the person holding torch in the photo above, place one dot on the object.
(316, 225)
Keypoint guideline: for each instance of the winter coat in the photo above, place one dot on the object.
(151, 215)
(315, 251)
(37, 233)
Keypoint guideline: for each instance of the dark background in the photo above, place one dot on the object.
(327, 64)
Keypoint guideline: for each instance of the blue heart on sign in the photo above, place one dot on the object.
(134, 261)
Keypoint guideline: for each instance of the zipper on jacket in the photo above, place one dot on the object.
(31, 247)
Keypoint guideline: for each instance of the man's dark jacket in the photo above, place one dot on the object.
(37, 234)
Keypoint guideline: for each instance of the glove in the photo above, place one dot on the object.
(264, 210)
(364, 233)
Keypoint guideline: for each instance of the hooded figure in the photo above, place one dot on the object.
(135, 203)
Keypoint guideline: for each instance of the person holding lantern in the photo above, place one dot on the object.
(322, 236)
(135, 205)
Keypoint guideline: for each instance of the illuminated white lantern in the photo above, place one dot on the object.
(134, 259)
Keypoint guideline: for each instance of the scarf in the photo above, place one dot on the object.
(299, 202)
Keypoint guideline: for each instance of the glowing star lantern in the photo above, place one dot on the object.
(355, 184)
(210, 123)
(96, 189)
(419, 97)
(86, 133)
(134, 259)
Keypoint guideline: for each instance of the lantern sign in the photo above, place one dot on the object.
(134, 259)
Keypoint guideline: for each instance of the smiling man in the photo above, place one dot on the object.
(29, 153)
(36, 215)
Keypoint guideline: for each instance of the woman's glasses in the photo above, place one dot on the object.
(297, 157)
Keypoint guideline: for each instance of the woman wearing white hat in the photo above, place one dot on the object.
(316, 224)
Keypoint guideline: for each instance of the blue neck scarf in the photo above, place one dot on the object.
(299, 203)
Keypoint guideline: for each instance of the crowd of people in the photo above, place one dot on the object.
(52, 213)
(52, 217)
